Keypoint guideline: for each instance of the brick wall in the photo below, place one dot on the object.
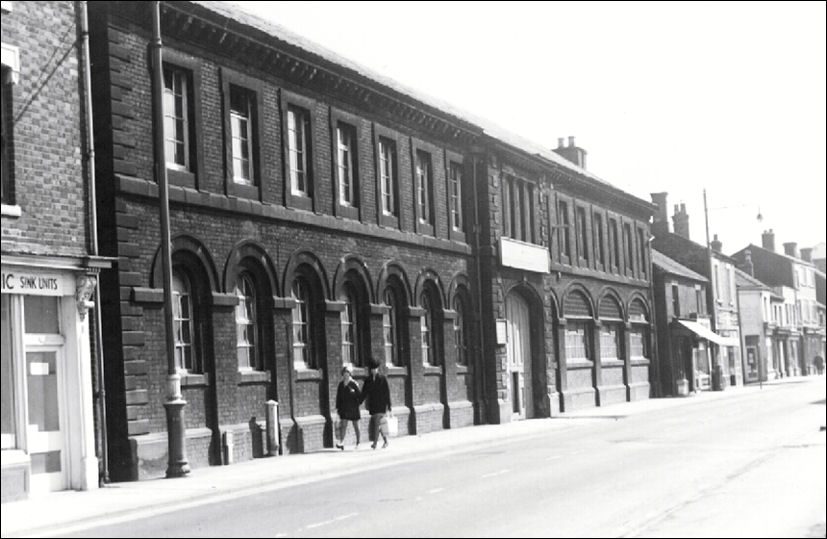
(46, 112)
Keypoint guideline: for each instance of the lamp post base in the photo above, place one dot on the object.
(177, 465)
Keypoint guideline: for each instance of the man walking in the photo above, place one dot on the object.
(377, 393)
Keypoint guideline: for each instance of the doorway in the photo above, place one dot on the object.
(518, 347)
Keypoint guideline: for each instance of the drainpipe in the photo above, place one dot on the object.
(478, 272)
(100, 386)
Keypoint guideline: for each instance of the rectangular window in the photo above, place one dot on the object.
(177, 96)
(298, 144)
(582, 235)
(424, 186)
(638, 344)
(598, 239)
(455, 194)
(387, 176)
(577, 345)
(609, 342)
(641, 242)
(241, 132)
(614, 242)
(630, 247)
(676, 301)
(563, 228)
(346, 164)
(699, 300)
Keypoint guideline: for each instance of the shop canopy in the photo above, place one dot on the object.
(706, 333)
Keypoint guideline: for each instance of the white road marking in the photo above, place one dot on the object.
(435, 490)
(331, 521)
(495, 474)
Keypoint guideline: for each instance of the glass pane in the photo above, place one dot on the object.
(41, 377)
(48, 462)
(41, 314)
(9, 439)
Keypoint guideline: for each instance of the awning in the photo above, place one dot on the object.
(705, 333)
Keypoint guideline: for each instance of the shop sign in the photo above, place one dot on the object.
(35, 283)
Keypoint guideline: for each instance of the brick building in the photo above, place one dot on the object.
(565, 269)
(321, 215)
(793, 276)
(683, 328)
(721, 295)
(48, 264)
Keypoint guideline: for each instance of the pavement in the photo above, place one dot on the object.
(72, 511)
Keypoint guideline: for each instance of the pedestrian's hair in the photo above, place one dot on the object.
(345, 369)
(373, 364)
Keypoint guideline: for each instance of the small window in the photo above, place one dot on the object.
(387, 176)
(614, 242)
(246, 321)
(455, 194)
(563, 228)
(582, 235)
(598, 239)
(641, 241)
(426, 329)
(676, 301)
(351, 341)
(424, 187)
(241, 132)
(630, 246)
(177, 118)
(183, 314)
(610, 342)
(346, 170)
(577, 344)
(460, 334)
(298, 146)
(638, 343)
(302, 326)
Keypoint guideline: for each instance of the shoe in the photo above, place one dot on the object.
(373, 445)
(384, 445)
(340, 446)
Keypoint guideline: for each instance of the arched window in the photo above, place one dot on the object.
(302, 326)
(246, 320)
(184, 322)
(391, 329)
(351, 352)
(460, 335)
(426, 329)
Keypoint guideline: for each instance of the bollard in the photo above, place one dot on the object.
(228, 446)
(272, 428)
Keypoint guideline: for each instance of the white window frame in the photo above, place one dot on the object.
(180, 78)
(424, 183)
(246, 320)
(297, 148)
(244, 135)
(345, 169)
(182, 364)
(455, 194)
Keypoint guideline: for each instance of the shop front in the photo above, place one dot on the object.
(48, 438)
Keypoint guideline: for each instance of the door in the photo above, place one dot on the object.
(519, 356)
(46, 423)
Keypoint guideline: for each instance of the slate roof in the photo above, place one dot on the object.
(237, 13)
(745, 280)
(671, 266)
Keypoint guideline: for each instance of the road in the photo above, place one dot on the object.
(750, 464)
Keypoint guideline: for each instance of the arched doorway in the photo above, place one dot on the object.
(519, 354)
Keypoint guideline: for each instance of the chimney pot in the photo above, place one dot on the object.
(791, 249)
(716, 244)
(681, 221)
(561, 142)
(571, 142)
(768, 240)
(807, 254)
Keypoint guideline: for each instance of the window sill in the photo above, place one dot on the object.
(431, 370)
(462, 369)
(640, 361)
(611, 362)
(183, 178)
(11, 210)
(299, 201)
(578, 364)
(347, 212)
(394, 370)
(194, 380)
(250, 376)
(14, 457)
(308, 374)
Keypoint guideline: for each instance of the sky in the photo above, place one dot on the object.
(665, 97)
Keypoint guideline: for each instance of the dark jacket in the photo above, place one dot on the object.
(377, 393)
(348, 399)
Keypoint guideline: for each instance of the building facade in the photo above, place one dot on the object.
(755, 301)
(722, 298)
(796, 280)
(683, 328)
(565, 271)
(49, 270)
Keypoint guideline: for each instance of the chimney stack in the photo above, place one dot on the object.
(791, 249)
(748, 266)
(681, 221)
(807, 254)
(571, 152)
(561, 142)
(768, 240)
(716, 244)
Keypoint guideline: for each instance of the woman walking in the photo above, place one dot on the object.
(348, 399)
(378, 395)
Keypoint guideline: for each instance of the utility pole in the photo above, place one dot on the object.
(177, 465)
